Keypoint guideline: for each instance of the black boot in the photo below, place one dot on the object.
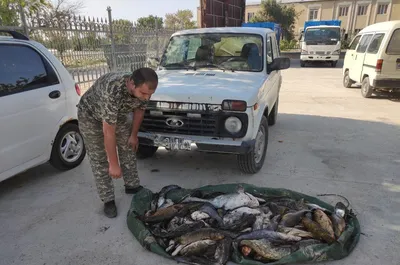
(110, 209)
(132, 190)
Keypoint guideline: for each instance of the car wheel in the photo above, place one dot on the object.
(302, 63)
(347, 82)
(253, 161)
(68, 149)
(146, 151)
(273, 116)
(366, 89)
(334, 63)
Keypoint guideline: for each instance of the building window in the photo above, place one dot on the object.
(313, 14)
(250, 16)
(343, 11)
(382, 9)
(362, 10)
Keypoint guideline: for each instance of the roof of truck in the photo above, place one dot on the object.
(251, 30)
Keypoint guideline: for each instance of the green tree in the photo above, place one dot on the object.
(182, 19)
(9, 9)
(149, 22)
(282, 14)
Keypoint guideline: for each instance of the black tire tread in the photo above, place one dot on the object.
(246, 162)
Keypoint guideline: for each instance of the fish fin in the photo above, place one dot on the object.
(177, 250)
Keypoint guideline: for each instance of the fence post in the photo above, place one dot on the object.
(113, 57)
(23, 18)
(157, 44)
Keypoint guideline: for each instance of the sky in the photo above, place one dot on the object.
(134, 9)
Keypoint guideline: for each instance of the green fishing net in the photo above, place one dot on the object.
(141, 203)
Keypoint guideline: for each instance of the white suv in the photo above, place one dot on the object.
(218, 89)
(38, 116)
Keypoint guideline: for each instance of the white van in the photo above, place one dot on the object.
(373, 59)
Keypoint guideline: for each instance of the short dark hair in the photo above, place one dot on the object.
(145, 75)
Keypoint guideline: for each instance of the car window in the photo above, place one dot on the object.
(394, 43)
(194, 44)
(270, 56)
(22, 69)
(354, 43)
(365, 40)
(376, 41)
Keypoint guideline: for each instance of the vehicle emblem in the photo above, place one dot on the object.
(174, 122)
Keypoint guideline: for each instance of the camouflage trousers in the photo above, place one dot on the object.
(92, 132)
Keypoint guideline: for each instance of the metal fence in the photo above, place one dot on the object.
(90, 47)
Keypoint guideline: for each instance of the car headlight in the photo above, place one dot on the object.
(336, 52)
(233, 124)
(304, 52)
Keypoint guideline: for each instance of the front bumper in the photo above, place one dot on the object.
(205, 144)
(316, 57)
(392, 83)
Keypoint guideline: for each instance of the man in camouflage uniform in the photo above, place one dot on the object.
(103, 113)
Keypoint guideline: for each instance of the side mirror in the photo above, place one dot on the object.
(279, 63)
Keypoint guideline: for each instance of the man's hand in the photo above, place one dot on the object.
(134, 142)
(115, 171)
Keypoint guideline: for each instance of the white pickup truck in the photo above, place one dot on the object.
(218, 90)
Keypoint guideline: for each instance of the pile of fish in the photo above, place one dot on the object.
(205, 228)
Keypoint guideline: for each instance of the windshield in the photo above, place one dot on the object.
(327, 36)
(233, 51)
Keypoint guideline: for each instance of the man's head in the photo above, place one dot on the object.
(143, 83)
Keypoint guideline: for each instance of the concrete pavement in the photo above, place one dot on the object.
(328, 139)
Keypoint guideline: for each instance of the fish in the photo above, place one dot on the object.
(229, 201)
(199, 215)
(308, 242)
(197, 247)
(267, 234)
(167, 214)
(274, 223)
(235, 215)
(245, 221)
(266, 250)
(245, 250)
(295, 232)
(162, 214)
(338, 224)
(163, 193)
(212, 212)
(317, 231)
(180, 230)
(323, 220)
(200, 234)
(167, 203)
(313, 207)
(223, 251)
(292, 219)
(262, 221)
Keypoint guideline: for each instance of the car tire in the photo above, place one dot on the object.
(366, 88)
(273, 116)
(249, 163)
(146, 151)
(347, 82)
(334, 63)
(68, 149)
(302, 63)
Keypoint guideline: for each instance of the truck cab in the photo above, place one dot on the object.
(320, 42)
(219, 91)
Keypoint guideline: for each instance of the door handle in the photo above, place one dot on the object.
(55, 94)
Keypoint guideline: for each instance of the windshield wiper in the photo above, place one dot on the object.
(179, 65)
(217, 66)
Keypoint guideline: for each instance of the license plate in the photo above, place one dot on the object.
(173, 143)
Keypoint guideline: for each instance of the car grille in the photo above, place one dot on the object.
(320, 53)
(204, 124)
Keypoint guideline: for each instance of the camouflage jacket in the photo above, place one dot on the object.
(108, 99)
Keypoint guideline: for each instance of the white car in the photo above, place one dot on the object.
(38, 116)
(373, 59)
(219, 90)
